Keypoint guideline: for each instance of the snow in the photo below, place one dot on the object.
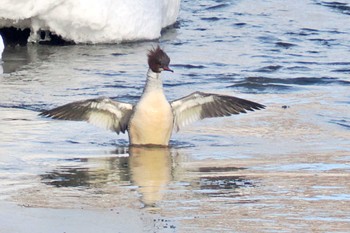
(91, 21)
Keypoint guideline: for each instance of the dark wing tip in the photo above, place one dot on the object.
(46, 113)
(258, 106)
(65, 112)
(241, 105)
(225, 105)
(43, 113)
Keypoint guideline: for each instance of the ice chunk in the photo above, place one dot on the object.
(91, 21)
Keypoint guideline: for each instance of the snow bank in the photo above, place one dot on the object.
(91, 21)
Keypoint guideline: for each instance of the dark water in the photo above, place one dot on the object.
(283, 169)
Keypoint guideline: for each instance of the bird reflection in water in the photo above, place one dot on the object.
(148, 168)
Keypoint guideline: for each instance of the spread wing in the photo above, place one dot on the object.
(102, 112)
(200, 105)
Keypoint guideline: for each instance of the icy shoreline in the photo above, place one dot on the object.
(92, 21)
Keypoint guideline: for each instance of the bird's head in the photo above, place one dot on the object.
(158, 60)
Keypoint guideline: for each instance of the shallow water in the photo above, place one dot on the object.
(285, 168)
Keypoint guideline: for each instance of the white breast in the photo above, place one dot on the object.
(152, 121)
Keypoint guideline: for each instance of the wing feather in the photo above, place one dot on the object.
(200, 105)
(102, 112)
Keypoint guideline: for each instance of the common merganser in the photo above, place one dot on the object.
(152, 120)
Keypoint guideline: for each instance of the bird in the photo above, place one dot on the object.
(153, 118)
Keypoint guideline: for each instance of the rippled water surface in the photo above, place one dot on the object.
(282, 169)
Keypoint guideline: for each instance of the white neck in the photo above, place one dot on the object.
(154, 82)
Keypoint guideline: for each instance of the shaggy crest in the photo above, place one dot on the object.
(158, 60)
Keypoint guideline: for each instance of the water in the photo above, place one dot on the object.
(283, 169)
